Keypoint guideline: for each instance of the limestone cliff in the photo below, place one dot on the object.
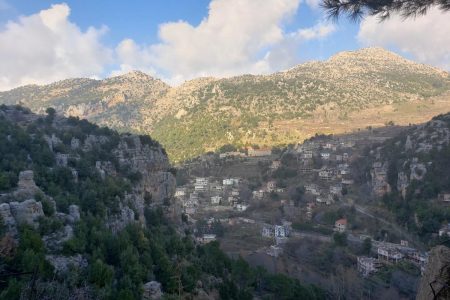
(435, 283)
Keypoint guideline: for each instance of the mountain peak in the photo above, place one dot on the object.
(368, 53)
(134, 75)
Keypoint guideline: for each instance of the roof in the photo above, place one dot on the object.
(341, 222)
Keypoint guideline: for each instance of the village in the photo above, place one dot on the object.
(279, 196)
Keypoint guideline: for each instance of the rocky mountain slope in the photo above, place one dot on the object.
(115, 101)
(409, 174)
(348, 91)
(87, 213)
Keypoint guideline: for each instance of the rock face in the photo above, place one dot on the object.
(26, 187)
(153, 165)
(152, 290)
(380, 185)
(8, 219)
(437, 274)
(74, 212)
(63, 263)
(28, 211)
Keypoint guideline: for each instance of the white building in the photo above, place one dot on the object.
(367, 265)
(207, 238)
(230, 181)
(241, 207)
(201, 184)
(258, 194)
(325, 199)
(215, 200)
(271, 185)
(267, 231)
(313, 189)
(180, 193)
(389, 254)
(340, 225)
(325, 155)
(336, 189)
(275, 164)
(326, 174)
(235, 192)
(307, 154)
(281, 231)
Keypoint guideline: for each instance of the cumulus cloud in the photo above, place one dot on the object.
(319, 31)
(426, 38)
(237, 36)
(46, 46)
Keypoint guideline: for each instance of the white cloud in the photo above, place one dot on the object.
(319, 31)
(237, 36)
(313, 4)
(427, 38)
(46, 46)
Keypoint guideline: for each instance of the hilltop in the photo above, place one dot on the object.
(350, 90)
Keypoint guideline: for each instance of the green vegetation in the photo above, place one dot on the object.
(116, 264)
(418, 210)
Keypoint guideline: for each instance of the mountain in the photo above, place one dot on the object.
(115, 101)
(351, 90)
(88, 213)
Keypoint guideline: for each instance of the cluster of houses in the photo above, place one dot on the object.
(207, 192)
(324, 196)
(390, 253)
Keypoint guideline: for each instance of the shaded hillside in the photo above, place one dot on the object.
(115, 102)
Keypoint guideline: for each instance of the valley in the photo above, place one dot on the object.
(309, 210)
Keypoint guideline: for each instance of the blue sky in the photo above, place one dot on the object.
(140, 19)
(43, 41)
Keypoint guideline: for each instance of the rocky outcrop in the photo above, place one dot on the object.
(28, 211)
(153, 165)
(435, 283)
(26, 187)
(62, 264)
(121, 220)
(380, 185)
(55, 241)
(402, 183)
(74, 212)
(418, 170)
(152, 291)
(8, 220)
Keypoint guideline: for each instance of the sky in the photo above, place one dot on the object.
(177, 40)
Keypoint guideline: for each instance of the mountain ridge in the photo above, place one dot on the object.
(204, 113)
